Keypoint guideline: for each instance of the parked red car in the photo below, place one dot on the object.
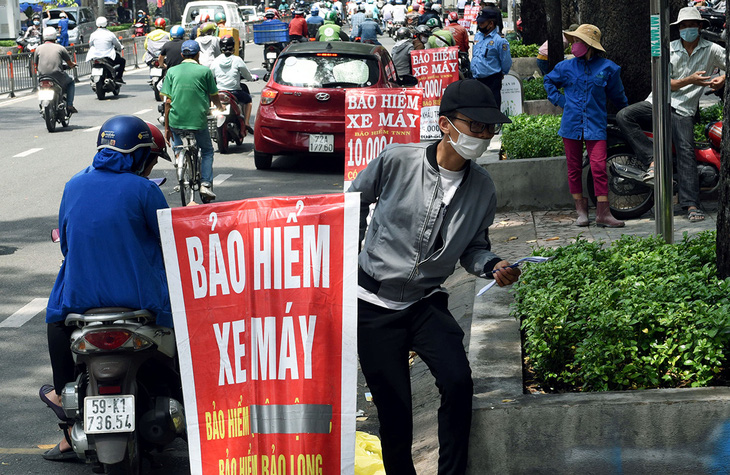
(302, 108)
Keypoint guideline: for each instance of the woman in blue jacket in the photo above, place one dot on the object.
(588, 80)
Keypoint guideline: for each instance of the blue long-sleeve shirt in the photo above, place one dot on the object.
(490, 55)
(369, 30)
(587, 85)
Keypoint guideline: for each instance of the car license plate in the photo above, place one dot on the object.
(270, 55)
(107, 414)
(97, 72)
(155, 72)
(321, 143)
(46, 94)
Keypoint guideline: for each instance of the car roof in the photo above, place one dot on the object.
(211, 2)
(345, 47)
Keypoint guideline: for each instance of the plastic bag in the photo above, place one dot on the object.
(368, 455)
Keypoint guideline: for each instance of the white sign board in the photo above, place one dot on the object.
(511, 95)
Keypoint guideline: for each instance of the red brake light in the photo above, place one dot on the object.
(328, 54)
(108, 339)
(46, 84)
(268, 96)
(110, 389)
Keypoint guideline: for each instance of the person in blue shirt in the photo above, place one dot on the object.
(356, 20)
(110, 242)
(314, 21)
(369, 30)
(588, 80)
(491, 58)
(63, 28)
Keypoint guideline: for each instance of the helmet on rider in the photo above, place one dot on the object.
(423, 30)
(453, 17)
(36, 19)
(207, 28)
(436, 7)
(159, 147)
(403, 33)
(101, 22)
(315, 11)
(49, 34)
(220, 17)
(428, 6)
(127, 134)
(432, 23)
(299, 12)
(160, 23)
(269, 14)
(331, 16)
(410, 8)
(204, 18)
(190, 48)
(228, 45)
(194, 14)
(177, 32)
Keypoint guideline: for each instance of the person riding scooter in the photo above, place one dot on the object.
(49, 59)
(229, 70)
(298, 31)
(155, 41)
(104, 44)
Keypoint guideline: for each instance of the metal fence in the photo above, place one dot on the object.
(17, 71)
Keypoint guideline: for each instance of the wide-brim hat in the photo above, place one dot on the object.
(474, 100)
(590, 34)
(690, 14)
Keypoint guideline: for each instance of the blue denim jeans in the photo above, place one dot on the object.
(202, 137)
(688, 180)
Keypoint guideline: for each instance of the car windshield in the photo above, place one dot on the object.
(55, 15)
(248, 10)
(327, 70)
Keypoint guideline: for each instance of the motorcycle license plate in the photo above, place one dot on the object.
(108, 414)
(155, 72)
(270, 55)
(321, 143)
(97, 72)
(45, 94)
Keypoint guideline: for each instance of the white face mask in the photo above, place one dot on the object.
(470, 148)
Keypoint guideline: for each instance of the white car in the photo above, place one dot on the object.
(249, 13)
(229, 9)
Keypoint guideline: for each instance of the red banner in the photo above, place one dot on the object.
(435, 69)
(376, 118)
(264, 296)
(470, 16)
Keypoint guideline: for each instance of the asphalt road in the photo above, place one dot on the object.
(38, 164)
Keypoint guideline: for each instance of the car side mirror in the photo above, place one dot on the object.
(407, 81)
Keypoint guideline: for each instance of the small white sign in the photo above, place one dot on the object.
(511, 95)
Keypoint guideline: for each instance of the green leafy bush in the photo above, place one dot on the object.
(639, 314)
(707, 115)
(122, 27)
(530, 136)
(518, 50)
(534, 89)
(7, 43)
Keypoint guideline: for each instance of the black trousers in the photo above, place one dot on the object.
(122, 62)
(59, 349)
(384, 339)
(494, 83)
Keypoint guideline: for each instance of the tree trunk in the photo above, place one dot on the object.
(553, 15)
(722, 241)
(534, 26)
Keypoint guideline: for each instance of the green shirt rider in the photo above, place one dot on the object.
(330, 31)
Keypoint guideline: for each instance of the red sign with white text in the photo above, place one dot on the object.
(263, 297)
(376, 118)
(435, 69)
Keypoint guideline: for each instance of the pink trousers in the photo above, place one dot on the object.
(596, 150)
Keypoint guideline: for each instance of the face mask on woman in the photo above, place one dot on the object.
(579, 49)
(470, 148)
(36, 22)
(689, 34)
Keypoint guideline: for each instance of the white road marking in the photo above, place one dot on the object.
(221, 178)
(20, 317)
(143, 111)
(18, 99)
(93, 129)
(27, 152)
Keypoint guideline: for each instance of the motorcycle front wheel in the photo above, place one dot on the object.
(627, 198)
(49, 115)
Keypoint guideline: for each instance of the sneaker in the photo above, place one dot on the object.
(206, 191)
(72, 110)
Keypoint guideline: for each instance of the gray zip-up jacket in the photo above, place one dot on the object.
(414, 242)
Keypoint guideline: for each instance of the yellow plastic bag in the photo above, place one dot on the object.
(368, 455)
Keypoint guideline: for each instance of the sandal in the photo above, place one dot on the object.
(55, 455)
(649, 175)
(45, 389)
(695, 214)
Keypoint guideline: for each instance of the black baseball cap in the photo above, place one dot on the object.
(473, 99)
(489, 14)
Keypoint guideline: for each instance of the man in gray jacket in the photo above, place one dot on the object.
(434, 208)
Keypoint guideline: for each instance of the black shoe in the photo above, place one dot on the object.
(56, 455)
(249, 129)
(121, 81)
(72, 110)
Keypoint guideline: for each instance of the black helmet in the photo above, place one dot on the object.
(423, 30)
(228, 45)
(194, 14)
(403, 33)
(428, 6)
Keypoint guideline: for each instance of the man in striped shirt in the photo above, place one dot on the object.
(692, 60)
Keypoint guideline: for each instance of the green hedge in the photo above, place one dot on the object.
(530, 136)
(518, 50)
(707, 115)
(8, 43)
(639, 314)
(122, 27)
(534, 89)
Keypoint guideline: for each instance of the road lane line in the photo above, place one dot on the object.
(20, 317)
(93, 129)
(143, 111)
(21, 451)
(27, 152)
(221, 178)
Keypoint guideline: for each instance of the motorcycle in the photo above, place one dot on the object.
(103, 77)
(271, 53)
(52, 104)
(228, 126)
(157, 74)
(139, 29)
(28, 45)
(716, 18)
(629, 195)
